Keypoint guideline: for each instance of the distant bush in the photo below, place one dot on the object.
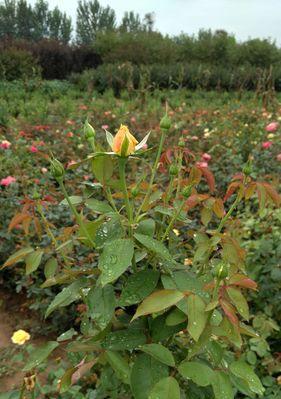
(17, 64)
(56, 60)
(193, 75)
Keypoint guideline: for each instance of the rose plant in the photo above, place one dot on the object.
(165, 312)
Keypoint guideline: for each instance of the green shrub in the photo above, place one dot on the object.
(17, 64)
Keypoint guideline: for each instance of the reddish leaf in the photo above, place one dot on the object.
(231, 190)
(218, 208)
(272, 193)
(241, 280)
(209, 177)
(229, 311)
(18, 219)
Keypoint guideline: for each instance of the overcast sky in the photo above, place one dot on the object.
(244, 18)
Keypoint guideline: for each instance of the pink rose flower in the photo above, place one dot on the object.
(202, 164)
(7, 181)
(278, 157)
(133, 119)
(266, 144)
(5, 144)
(272, 127)
(206, 157)
(105, 127)
(33, 148)
(69, 134)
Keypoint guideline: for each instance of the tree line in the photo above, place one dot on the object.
(21, 20)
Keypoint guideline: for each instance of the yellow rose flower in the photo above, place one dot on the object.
(20, 337)
(124, 143)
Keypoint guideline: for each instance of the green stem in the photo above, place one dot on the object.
(229, 213)
(154, 170)
(75, 213)
(122, 171)
(49, 231)
(174, 217)
(22, 390)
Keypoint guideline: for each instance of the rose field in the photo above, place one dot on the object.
(139, 243)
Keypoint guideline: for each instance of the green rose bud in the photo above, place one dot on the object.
(181, 142)
(36, 195)
(135, 191)
(165, 123)
(220, 271)
(174, 170)
(89, 131)
(186, 192)
(57, 169)
(247, 169)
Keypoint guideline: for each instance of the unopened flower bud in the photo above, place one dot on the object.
(135, 191)
(181, 142)
(36, 195)
(247, 169)
(186, 192)
(220, 271)
(165, 123)
(57, 169)
(174, 170)
(89, 131)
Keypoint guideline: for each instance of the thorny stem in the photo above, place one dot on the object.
(75, 213)
(49, 231)
(129, 210)
(154, 170)
(228, 214)
(172, 221)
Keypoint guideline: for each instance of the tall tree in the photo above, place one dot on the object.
(65, 29)
(8, 24)
(40, 14)
(148, 21)
(24, 20)
(91, 19)
(131, 22)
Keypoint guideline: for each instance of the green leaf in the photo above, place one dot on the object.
(33, 260)
(108, 231)
(74, 199)
(160, 331)
(38, 355)
(239, 301)
(146, 227)
(175, 317)
(103, 168)
(115, 259)
(197, 317)
(199, 373)
(154, 246)
(124, 339)
(67, 335)
(119, 365)
(101, 303)
(160, 353)
(65, 381)
(50, 267)
(18, 256)
(158, 301)
(242, 370)
(138, 287)
(222, 386)
(98, 206)
(146, 372)
(167, 388)
(184, 281)
(92, 228)
(67, 296)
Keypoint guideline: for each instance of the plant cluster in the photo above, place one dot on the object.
(162, 300)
